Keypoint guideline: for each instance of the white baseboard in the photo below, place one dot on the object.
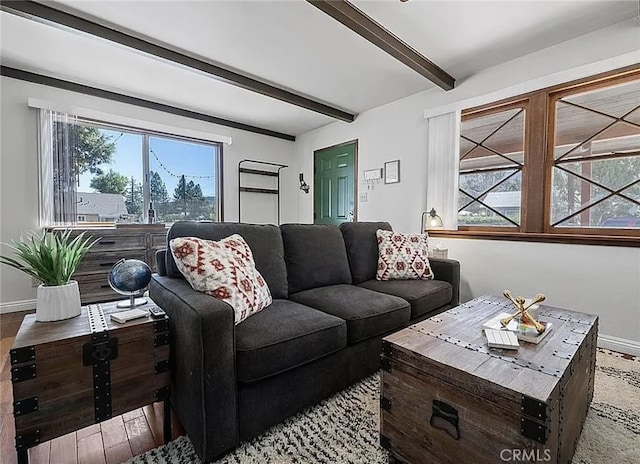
(16, 306)
(620, 345)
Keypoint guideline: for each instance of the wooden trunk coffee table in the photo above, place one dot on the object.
(448, 398)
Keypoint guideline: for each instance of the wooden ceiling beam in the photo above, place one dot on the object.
(28, 76)
(47, 14)
(363, 25)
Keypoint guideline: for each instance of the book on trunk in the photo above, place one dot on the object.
(504, 339)
(524, 332)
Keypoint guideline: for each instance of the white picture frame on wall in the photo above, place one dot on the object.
(392, 172)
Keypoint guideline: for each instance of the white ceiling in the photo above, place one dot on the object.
(294, 45)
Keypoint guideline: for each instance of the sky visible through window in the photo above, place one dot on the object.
(170, 158)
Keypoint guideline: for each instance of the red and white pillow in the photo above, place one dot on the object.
(224, 269)
(402, 256)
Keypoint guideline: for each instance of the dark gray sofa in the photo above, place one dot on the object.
(322, 332)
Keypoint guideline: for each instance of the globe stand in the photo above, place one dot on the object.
(130, 277)
(132, 302)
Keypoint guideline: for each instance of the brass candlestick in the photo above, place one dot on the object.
(525, 316)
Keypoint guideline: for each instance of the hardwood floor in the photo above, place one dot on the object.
(109, 442)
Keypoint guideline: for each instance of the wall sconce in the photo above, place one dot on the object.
(433, 221)
(303, 185)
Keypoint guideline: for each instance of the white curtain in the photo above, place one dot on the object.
(57, 177)
(45, 162)
(443, 161)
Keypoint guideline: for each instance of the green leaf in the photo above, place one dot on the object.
(52, 258)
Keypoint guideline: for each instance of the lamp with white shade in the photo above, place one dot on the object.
(431, 220)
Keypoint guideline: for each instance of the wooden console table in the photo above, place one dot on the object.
(69, 374)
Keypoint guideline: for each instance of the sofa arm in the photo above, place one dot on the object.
(449, 271)
(204, 387)
(161, 265)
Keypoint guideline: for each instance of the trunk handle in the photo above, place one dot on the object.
(445, 417)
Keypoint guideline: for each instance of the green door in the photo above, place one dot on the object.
(334, 184)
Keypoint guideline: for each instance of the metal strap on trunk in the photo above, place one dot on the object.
(99, 353)
(97, 321)
(577, 320)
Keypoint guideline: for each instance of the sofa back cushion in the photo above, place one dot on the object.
(265, 242)
(315, 256)
(362, 248)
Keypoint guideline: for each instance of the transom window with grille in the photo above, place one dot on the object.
(491, 162)
(596, 157)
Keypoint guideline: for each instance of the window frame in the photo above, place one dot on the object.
(554, 97)
(535, 223)
(471, 114)
(145, 153)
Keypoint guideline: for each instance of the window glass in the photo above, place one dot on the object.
(491, 160)
(596, 172)
(110, 176)
(182, 180)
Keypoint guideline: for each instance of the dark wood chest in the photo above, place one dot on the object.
(73, 373)
(448, 398)
(130, 241)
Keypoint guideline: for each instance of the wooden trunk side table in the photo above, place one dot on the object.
(69, 374)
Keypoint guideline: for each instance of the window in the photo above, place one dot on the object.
(107, 174)
(596, 158)
(491, 161)
(561, 161)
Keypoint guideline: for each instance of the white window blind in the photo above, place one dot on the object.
(57, 176)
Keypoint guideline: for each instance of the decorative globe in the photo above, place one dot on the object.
(129, 276)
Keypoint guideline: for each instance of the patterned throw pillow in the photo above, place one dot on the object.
(402, 256)
(223, 269)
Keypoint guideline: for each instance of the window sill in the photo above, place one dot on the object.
(575, 239)
(110, 226)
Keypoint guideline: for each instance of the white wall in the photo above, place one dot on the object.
(18, 167)
(600, 280)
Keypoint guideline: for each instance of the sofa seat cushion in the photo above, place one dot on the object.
(285, 335)
(423, 295)
(367, 313)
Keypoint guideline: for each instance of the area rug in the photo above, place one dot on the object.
(344, 428)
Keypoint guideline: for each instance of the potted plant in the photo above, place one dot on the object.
(52, 259)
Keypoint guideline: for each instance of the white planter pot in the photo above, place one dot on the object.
(58, 302)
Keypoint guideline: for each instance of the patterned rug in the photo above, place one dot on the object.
(344, 428)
